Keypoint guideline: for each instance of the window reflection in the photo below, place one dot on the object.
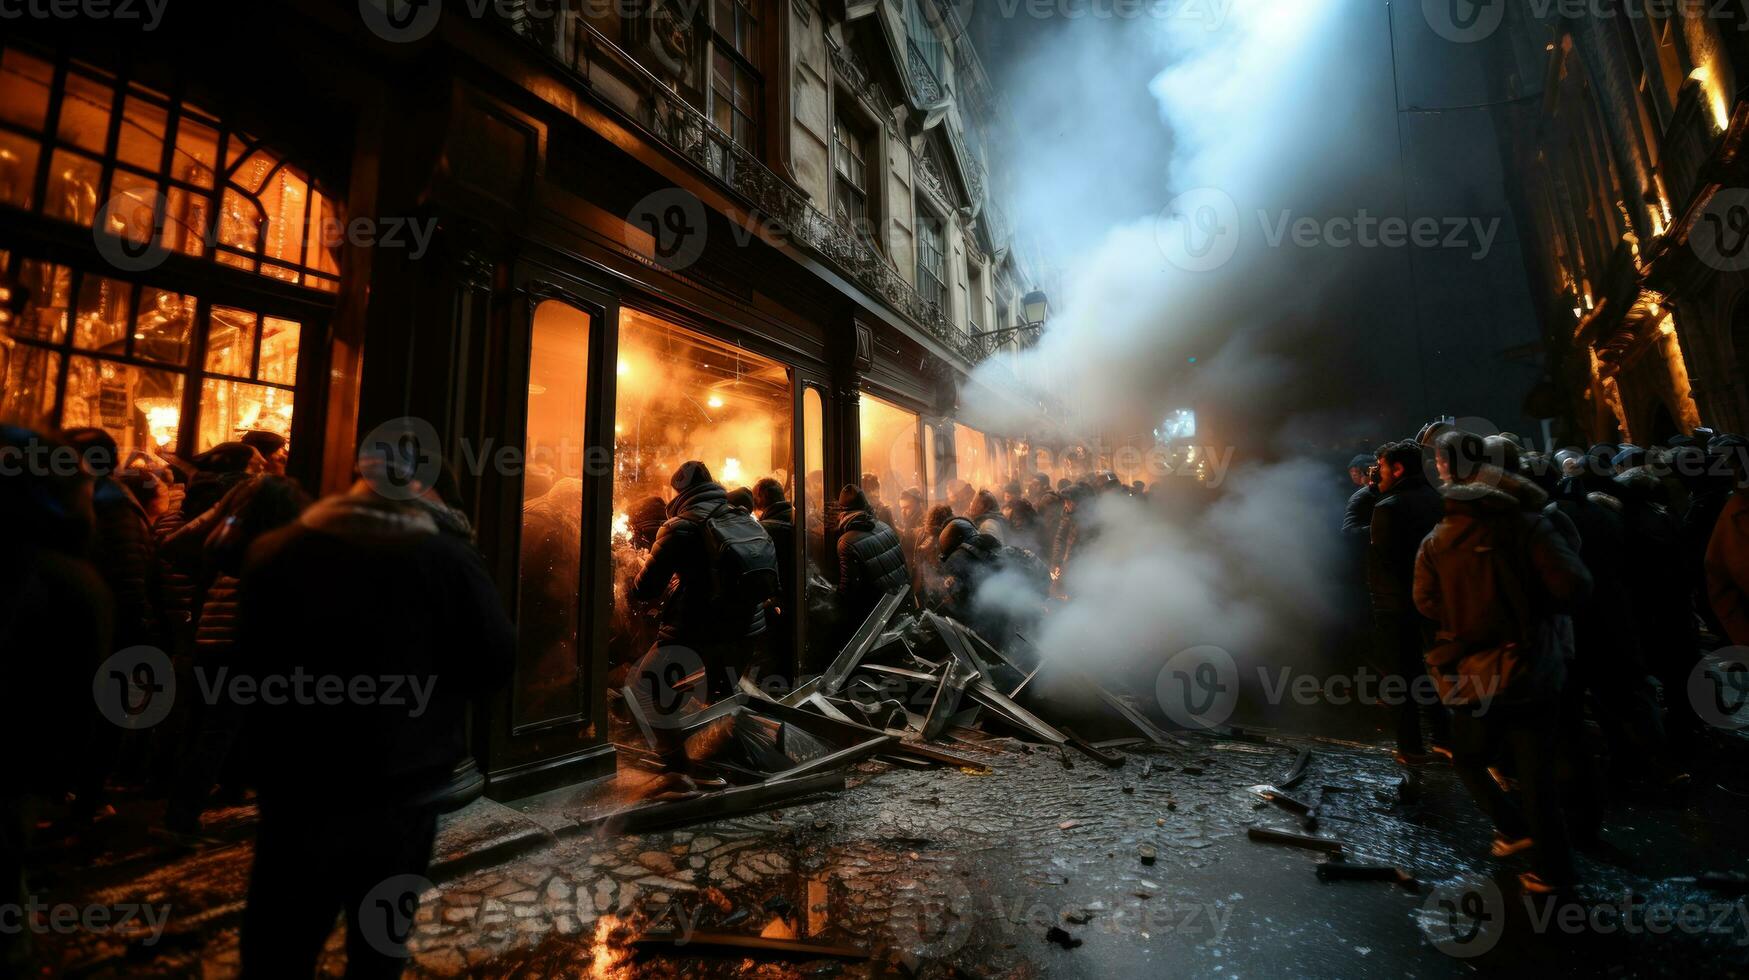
(550, 590)
(891, 449)
(973, 462)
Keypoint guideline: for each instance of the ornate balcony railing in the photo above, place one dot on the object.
(608, 71)
(923, 79)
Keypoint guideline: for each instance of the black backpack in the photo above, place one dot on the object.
(743, 562)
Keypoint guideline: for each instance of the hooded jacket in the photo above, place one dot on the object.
(1497, 577)
(1727, 568)
(366, 595)
(870, 563)
(681, 554)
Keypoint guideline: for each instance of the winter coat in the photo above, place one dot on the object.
(779, 521)
(870, 563)
(963, 572)
(1604, 629)
(1401, 518)
(125, 559)
(681, 554)
(1361, 504)
(1663, 604)
(1497, 578)
(1727, 568)
(369, 592)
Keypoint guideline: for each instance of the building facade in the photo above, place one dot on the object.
(568, 245)
(1625, 136)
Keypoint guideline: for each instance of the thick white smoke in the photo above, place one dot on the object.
(1258, 107)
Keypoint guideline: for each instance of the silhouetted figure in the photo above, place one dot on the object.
(397, 626)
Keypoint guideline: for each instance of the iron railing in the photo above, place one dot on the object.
(603, 68)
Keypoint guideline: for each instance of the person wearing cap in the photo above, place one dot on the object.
(870, 561)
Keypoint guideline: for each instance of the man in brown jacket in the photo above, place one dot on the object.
(1497, 578)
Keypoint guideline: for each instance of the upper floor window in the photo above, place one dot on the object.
(156, 170)
(975, 295)
(922, 34)
(931, 259)
(850, 155)
(734, 67)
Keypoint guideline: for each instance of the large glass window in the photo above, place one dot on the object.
(684, 396)
(91, 350)
(550, 589)
(973, 461)
(891, 447)
(813, 463)
(177, 177)
(96, 342)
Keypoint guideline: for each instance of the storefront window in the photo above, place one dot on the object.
(251, 211)
(891, 447)
(683, 396)
(813, 462)
(164, 371)
(973, 462)
(550, 590)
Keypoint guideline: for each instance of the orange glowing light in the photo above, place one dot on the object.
(607, 958)
(714, 401)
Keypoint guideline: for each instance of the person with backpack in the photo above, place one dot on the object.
(1497, 579)
(715, 568)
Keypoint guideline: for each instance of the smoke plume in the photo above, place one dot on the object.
(1133, 129)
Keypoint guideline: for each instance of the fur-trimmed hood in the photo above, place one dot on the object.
(1493, 489)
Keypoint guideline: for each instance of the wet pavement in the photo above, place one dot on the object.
(967, 872)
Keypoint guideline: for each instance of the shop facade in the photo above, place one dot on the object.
(606, 264)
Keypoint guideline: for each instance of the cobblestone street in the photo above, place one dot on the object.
(966, 872)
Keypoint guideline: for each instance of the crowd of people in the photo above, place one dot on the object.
(706, 543)
(245, 642)
(1542, 594)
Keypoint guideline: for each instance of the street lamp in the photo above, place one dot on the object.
(1034, 308)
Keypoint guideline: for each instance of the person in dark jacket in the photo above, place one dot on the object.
(1707, 477)
(253, 508)
(55, 629)
(1023, 525)
(986, 514)
(742, 497)
(123, 547)
(968, 559)
(366, 594)
(870, 561)
(778, 516)
(1498, 580)
(1408, 507)
(877, 505)
(1663, 605)
(1069, 535)
(908, 519)
(695, 629)
(926, 566)
(1358, 515)
(680, 553)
